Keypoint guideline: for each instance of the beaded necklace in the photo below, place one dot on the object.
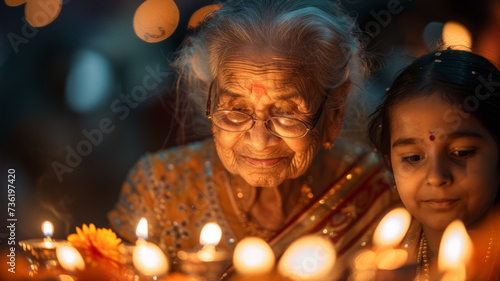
(423, 257)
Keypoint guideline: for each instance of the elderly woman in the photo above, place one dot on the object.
(275, 79)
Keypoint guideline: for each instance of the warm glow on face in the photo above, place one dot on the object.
(69, 258)
(253, 256)
(210, 234)
(149, 260)
(457, 35)
(142, 229)
(47, 228)
(309, 258)
(392, 228)
(456, 247)
(156, 20)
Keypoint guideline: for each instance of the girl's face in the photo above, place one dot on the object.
(445, 162)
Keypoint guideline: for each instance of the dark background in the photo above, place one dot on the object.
(38, 123)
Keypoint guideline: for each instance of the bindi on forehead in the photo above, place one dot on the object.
(258, 91)
(431, 136)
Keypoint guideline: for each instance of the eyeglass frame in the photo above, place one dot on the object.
(309, 128)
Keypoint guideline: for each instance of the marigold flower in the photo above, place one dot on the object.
(97, 245)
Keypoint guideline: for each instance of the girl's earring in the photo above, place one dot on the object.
(328, 145)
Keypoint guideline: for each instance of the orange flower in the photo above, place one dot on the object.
(97, 245)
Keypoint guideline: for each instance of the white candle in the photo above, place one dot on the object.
(253, 256)
(148, 258)
(69, 258)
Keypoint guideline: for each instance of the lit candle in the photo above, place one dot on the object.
(148, 258)
(210, 237)
(309, 258)
(253, 256)
(392, 228)
(455, 252)
(69, 258)
(208, 262)
(48, 230)
(388, 235)
(42, 251)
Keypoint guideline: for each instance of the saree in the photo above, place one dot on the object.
(180, 189)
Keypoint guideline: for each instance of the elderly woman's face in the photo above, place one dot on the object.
(258, 156)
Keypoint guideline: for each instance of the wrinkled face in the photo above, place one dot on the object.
(445, 162)
(258, 156)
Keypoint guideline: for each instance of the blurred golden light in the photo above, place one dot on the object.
(310, 258)
(365, 260)
(457, 36)
(156, 20)
(42, 12)
(14, 3)
(253, 256)
(69, 258)
(455, 249)
(211, 233)
(200, 15)
(391, 259)
(392, 228)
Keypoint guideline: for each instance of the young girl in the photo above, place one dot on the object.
(438, 129)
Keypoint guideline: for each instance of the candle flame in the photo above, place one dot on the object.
(149, 260)
(210, 234)
(392, 228)
(142, 229)
(309, 258)
(69, 258)
(456, 247)
(47, 228)
(253, 256)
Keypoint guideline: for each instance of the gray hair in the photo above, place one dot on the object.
(315, 33)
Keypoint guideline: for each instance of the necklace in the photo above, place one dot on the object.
(423, 257)
(491, 253)
(422, 260)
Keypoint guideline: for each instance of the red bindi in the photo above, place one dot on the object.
(259, 90)
(432, 137)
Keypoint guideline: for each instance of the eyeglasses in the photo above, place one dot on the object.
(239, 122)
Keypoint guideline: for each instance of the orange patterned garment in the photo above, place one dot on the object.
(181, 189)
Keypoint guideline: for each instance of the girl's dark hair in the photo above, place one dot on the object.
(465, 79)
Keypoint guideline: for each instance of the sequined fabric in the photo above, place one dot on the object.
(180, 189)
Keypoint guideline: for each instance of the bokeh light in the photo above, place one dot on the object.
(457, 36)
(42, 12)
(200, 15)
(156, 20)
(14, 3)
(89, 81)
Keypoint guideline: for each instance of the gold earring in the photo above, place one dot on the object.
(328, 145)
